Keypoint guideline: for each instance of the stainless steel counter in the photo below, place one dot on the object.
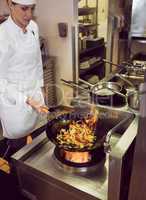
(91, 184)
(41, 178)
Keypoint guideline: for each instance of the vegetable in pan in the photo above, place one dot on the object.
(79, 134)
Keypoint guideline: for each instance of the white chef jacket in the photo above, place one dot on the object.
(21, 75)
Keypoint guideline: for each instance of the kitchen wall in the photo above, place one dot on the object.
(49, 14)
(102, 18)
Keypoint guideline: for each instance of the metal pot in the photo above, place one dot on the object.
(133, 99)
(105, 93)
(132, 95)
(102, 93)
(106, 88)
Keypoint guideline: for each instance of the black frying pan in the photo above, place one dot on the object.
(54, 126)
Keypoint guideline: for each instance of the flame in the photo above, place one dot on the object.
(91, 121)
(83, 157)
(77, 157)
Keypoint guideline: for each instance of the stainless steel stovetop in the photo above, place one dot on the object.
(43, 162)
(41, 177)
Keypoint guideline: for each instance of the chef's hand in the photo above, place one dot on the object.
(37, 106)
(4, 165)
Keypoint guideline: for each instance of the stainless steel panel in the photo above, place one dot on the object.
(39, 174)
(138, 22)
(41, 178)
(138, 178)
(116, 164)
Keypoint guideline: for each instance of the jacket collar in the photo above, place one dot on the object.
(14, 26)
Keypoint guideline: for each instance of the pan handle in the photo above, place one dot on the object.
(47, 109)
(109, 62)
(86, 83)
(65, 81)
(124, 79)
(72, 84)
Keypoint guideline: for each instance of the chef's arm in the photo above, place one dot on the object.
(44, 92)
(39, 77)
(4, 54)
(36, 105)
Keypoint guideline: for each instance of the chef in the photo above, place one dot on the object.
(21, 74)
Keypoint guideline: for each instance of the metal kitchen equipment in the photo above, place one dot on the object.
(133, 99)
(117, 65)
(137, 182)
(135, 68)
(98, 88)
(108, 93)
(41, 177)
(132, 95)
(101, 131)
(104, 92)
(125, 80)
(138, 21)
(49, 66)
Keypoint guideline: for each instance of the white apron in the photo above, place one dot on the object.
(17, 117)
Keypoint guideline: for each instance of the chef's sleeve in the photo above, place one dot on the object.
(39, 65)
(40, 71)
(7, 95)
(4, 55)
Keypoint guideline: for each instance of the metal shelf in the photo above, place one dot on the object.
(86, 11)
(83, 27)
(90, 51)
(92, 67)
(86, 25)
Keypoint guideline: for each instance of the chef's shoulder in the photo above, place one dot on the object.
(3, 29)
(3, 36)
(34, 27)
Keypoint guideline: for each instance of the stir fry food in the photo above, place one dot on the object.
(79, 134)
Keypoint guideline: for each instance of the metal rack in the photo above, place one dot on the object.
(91, 47)
(49, 63)
(88, 15)
(49, 82)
